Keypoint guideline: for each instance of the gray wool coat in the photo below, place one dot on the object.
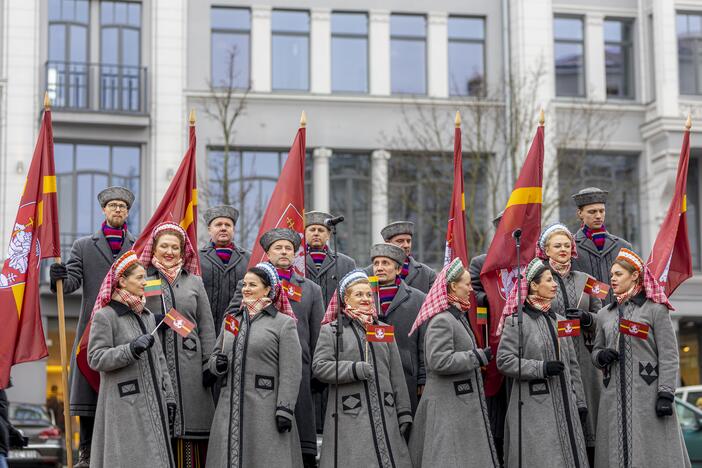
(451, 426)
(309, 311)
(573, 284)
(552, 435)
(261, 383)
(420, 276)
(371, 406)
(596, 263)
(131, 422)
(220, 280)
(188, 357)
(90, 260)
(401, 314)
(326, 276)
(476, 265)
(629, 433)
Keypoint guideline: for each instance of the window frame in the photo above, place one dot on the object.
(697, 58)
(232, 30)
(631, 66)
(415, 38)
(293, 34)
(582, 42)
(482, 42)
(365, 36)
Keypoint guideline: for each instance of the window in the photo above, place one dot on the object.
(82, 171)
(291, 50)
(619, 64)
(689, 28)
(693, 212)
(568, 54)
(408, 55)
(67, 67)
(349, 52)
(615, 173)
(466, 56)
(120, 56)
(231, 36)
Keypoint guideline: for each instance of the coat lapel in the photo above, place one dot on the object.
(400, 298)
(311, 266)
(414, 268)
(234, 261)
(211, 255)
(327, 263)
(102, 246)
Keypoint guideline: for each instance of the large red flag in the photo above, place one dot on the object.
(499, 273)
(35, 235)
(286, 207)
(670, 260)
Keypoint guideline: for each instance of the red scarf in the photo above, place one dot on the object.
(254, 306)
(365, 317)
(539, 303)
(633, 291)
(463, 304)
(597, 236)
(171, 273)
(561, 268)
(134, 302)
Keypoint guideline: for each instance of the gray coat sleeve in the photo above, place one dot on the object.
(316, 317)
(508, 358)
(205, 324)
(103, 355)
(600, 342)
(289, 369)
(422, 370)
(165, 376)
(667, 347)
(74, 266)
(399, 386)
(216, 350)
(323, 364)
(576, 380)
(440, 354)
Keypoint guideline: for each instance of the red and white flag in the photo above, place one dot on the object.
(596, 288)
(178, 323)
(380, 333)
(231, 324)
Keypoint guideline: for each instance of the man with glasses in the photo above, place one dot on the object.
(90, 260)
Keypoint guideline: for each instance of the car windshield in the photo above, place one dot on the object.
(26, 414)
(686, 416)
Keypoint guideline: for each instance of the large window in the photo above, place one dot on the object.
(689, 28)
(466, 56)
(291, 50)
(408, 54)
(67, 67)
(619, 62)
(349, 52)
(615, 173)
(230, 59)
(568, 54)
(694, 224)
(82, 171)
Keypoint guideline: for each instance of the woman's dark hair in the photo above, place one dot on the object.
(261, 273)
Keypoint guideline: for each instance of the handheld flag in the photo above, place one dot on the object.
(286, 206)
(293, 291)
(631, 328)
(568, 328)
(380, 333)
(373, 280)
(178, 323)
(596, 288)
(482, 315)
(670, 260)
(231, 325)
(153, 288)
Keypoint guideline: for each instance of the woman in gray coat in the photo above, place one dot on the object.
(637, 351)
(258, 352)
(135, 403)
(374, 407)
(552, 393)
(451, 426)
(171, 262)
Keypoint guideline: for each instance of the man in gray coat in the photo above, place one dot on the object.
(90, 260)
(414, 273)
(597, 248)
(399, 305)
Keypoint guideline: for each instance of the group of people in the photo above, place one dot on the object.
(274, 357)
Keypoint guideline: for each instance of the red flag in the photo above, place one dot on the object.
(231, 324)
(631, 328)
(179, 203)
(380, 333)
(178, 323)
(287, 204)
(670, 260)
(35, 235)
(499, 273)
(568, 328)
(596, 288)
(293, 291)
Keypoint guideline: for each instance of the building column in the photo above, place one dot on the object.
(437, 55)
(595, 73)
(320, 50)
(379, 52)
(379, 193)
(665, 50)
(320, 179)
(261, 48)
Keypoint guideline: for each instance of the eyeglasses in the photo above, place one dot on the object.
(117, 206)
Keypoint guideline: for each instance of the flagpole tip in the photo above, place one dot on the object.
(688, 122)
(47, 100)
(542, 117)
(303, 120)
(457, 121)
(191, 118)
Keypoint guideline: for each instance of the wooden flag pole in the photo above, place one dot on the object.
(68, 432)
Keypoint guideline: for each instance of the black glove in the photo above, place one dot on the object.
(309, 460)
(171, 417)
(664, 404)
(582, 315)
(283, 424)
(553, 368)
(405, 430)
(582, 412)
(221, 362)
(58, 271)
(488, 353)
(141, 344)
(317, 385)
(208, 378)
(17, 440)
(607, 356)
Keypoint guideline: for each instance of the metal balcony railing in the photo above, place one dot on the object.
(97, 87)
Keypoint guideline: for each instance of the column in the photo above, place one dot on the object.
(320, 179)
(595, 74)
(437, 54)
(320, 48)
(379, 192)
(379, 52)
(261, 48)
(665, 49)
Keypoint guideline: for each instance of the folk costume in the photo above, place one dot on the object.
(414, 273)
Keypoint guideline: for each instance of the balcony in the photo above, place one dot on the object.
(97, 87)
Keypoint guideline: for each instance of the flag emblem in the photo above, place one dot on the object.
(231, 324)
(294, 292)
(152, 288)
(178, 323)
(596, 288)
(568, 328)
(635, 329)
(380, 333)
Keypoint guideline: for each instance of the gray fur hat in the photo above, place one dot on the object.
(316, 217)
(496, 220)
(589, 196)
(397, 228)
(390, 251)
(221, 211)
(276, 234)
(116, 193)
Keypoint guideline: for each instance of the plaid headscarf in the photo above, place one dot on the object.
(547, 233)
(189, 257)
(654, 291)
(352, 277)
(109, 284)
(535, 267)
(437, 299)
(279, 298)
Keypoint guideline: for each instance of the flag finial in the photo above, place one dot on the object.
(303, 119)
(458, 119)
(47, 100)
(192, 117)
(688, 122)
(542, 118)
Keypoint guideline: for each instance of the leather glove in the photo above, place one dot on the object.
(309, 460)
(17, 439)
(585, 317)
(141, 344)
(664, 404)
(58, 271)
(317, 386)
(405, 430)
(582, 412)
(221, 362)
(171, 417)
(488, 353)
(607, 356)
(283, 424)
(208, 378)
(553, 368)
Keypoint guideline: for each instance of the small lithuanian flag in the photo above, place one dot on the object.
(482, 315)
(152, 288)
(373, 283)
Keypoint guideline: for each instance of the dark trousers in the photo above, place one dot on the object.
(86, 432)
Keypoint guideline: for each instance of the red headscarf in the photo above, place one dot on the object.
(333, 307)
(437, 299)
(654, 291)
(109, 284)
(189, 258)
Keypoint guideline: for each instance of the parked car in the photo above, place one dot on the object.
(690, 419)
(691, 394)
(46, 442)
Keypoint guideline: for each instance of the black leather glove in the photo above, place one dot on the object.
(664, 404)
(317, 385)
(607, 356)
(171, 417)
(582, 412)
(58, 271)
(141, 344)
(405, 430)
(221, 362)
(17, 439)
(283, 424)
(309, 460)
(585, 317)
(488, 353)
(553, 368)
(208, 378)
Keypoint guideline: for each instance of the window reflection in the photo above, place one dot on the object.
(689, 29)
(618, 58)
(290, 50)
(568, 53)
(408, 70)
(349, 52)
(230, 59)
(466, 55)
